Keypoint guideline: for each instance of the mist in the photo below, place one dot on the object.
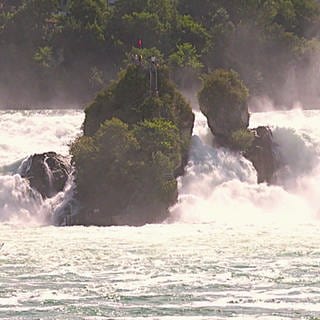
(25, 85)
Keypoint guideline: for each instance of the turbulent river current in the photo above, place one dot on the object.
(230, 249)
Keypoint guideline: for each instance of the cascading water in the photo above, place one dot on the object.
(22, 134)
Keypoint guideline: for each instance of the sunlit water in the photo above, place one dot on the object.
(231, 248)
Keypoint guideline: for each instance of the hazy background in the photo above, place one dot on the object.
(62, 52)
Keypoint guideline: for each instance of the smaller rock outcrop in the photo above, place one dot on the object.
(261, 154)
(47, 173)
(223, 100)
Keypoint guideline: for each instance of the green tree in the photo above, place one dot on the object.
(241, 139)
(142, 25)
(104, 164)
(185, 56)
(44, 57)
(160, 135)
(190, 31)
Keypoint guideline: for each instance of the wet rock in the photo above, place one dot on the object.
(223, 122)
(47, 173)
(262, 154)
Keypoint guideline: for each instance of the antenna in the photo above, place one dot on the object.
(153, 71)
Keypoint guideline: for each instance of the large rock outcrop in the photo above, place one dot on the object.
(223, 122)
(47, 173)
(135, 143)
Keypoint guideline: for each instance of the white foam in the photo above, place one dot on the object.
(23, 133)
(18, 202)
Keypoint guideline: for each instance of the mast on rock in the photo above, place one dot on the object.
(153, 74)
(153, 68)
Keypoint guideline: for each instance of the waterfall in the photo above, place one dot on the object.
(220, 185)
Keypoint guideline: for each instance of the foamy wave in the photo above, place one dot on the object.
(19, 204)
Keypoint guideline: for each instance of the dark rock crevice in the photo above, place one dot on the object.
(262, 154)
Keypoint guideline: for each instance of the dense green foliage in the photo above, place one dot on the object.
(68, 50)
(222, 89)
(135, 142)
(129, 99)
(241, 139)
(121, 171)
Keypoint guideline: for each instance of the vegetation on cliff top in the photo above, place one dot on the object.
(222, 89)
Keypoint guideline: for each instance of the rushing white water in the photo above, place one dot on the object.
(23, 133)
(236, 249)
(35, 131)
(220, 185)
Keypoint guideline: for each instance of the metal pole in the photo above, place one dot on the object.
(150, 72)
(156, 70)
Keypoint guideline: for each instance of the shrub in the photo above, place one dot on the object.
(241, 139)
(159, 135)
(222, 89)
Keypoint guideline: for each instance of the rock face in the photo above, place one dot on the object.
(223, 122)
(262, 155)
(47, 173)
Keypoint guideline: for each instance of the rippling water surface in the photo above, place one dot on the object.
(208, 271)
